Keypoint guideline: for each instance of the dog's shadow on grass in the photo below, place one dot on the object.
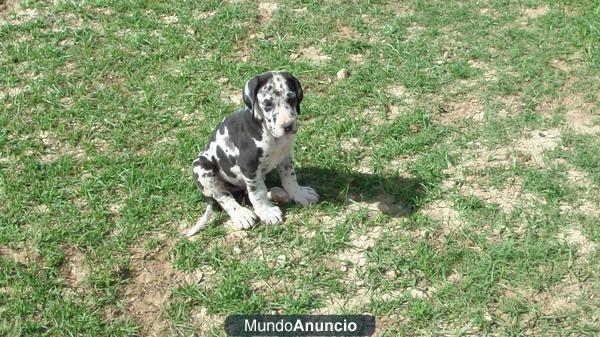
(393, 195)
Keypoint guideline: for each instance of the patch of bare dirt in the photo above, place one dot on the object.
(560, 297)
(589, 208)
(546, 107)
(359, 59)
(106, 11)
(561, 65)
(8, 159)
(527, 149)
(512, 105)
(73, 21)
(578, 178)
(169, 19)
(531, 14)
(21, 15)
(149, 289)
(400, 164)
(311, 54)
(420, 291)
(389, 325)
(66, 102)
(400, 91)
(73, 268)
(231, 95)
(538, 142)
(266, 10)
(191, 117)
(380, 115)
(352, 261)
(373, 208)
(455, 277)
(97, 27)
(101, 145)
(572, 11)
(444, 212)
(69, 67)
(207, 324)
(13, 91)
(506, 198)
(575, 238)
(115, 208)
(534, 13)
(413, 32)
(300, 10)
(53, 148)
(489, 73)
(124, 32)
(41, 209)
(348, 302)
(582, 117)
(363, 165)
(324, 220)
(166, 140)
(69, 42)
(22, 253)
(198, 15)
(346, 32)
(365, 242)
(243, 53)
(148, 293)
(24, 38)
(374, 117)
(455, 112)
(478, 158)
(7, 5)
(401, 8)
(488, 11)
(368, 19)
(350, 144)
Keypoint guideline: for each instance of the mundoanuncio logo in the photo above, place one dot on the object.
(300, 325)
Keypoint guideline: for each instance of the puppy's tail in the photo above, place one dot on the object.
(204, 219)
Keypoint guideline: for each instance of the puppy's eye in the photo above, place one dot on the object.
(290, 97)
(268, 105)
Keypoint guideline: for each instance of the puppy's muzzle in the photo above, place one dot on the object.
(290, 128)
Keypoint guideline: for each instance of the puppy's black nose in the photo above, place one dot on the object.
(289, 127)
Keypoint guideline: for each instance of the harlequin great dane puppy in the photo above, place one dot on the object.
(246, 146)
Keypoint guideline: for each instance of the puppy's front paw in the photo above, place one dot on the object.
(304, 195)
(270, 215)
(243, 218)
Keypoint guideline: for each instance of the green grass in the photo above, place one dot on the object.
(457, 165)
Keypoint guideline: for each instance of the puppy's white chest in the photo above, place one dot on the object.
(274, 153)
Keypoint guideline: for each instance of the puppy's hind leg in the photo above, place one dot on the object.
(241, 217)
(214, 189)
(204, 219)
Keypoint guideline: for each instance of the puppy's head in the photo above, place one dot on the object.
(274, 99)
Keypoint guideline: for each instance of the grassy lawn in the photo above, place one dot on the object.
(458, 165)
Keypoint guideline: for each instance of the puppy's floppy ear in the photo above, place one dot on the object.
(296, 87)
(251, 89)
(249, 93)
